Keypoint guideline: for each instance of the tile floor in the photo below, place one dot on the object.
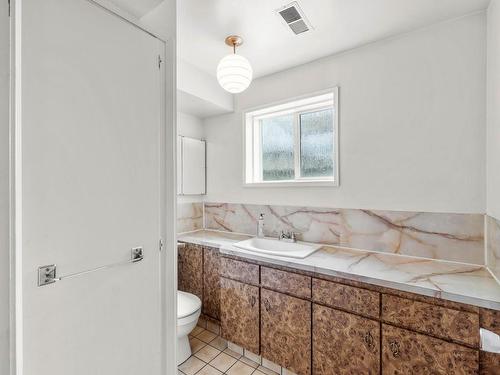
(212, 356)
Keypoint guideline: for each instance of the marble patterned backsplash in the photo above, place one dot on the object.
(453, 237)
(493, 246)
(189, 216)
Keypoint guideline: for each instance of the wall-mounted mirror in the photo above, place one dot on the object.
(191, 166)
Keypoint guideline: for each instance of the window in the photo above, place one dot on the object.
(293, 143)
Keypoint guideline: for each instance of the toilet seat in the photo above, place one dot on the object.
(187, 304)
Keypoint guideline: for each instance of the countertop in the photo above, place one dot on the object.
(458, 282)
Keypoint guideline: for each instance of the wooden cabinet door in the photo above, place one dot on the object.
(344, 343)
(407, 352)
(286, 331)
(190, 269)
(211, 282)
(239, 312)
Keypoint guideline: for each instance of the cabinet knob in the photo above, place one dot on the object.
(253, 300)
(369, 340)
(267, 305)
(394, 346)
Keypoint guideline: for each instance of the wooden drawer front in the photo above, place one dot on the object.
(344, 343)
(360, 301)
(240, 314)
(459, 326)
(241, 271)
(286, 282)
(406, 352)
(190, 269)
(286, 331)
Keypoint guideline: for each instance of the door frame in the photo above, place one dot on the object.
(168, 187)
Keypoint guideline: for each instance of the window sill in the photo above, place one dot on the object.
(280, 184)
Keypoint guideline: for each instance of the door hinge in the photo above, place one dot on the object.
(160, 244)
(159, 61)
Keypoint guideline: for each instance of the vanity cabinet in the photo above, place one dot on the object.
(344, 343)
(322, 325)
(190, 269)
(240, 314)
(286, 331)
(407, 352)
(211, 282)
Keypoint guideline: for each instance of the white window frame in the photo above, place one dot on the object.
(252, 157)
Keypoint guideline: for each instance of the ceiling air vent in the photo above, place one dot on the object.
(294, 18)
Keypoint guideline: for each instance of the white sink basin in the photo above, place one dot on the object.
(279, 248)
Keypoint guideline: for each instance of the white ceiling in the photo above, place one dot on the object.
(270, 46)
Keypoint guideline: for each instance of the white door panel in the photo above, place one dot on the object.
(91, 190)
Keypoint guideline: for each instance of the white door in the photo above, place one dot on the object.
(91, 124)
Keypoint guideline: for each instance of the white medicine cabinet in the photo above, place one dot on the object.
(191, 166)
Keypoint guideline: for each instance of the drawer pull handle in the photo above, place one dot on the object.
(394, 348)
(253, 300)
(369, 340)
(267, 305)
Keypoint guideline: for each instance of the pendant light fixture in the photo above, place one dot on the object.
(234, 72)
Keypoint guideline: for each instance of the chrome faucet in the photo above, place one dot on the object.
(288, 236)
(260, 226)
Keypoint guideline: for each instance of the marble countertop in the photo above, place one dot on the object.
(459, 282)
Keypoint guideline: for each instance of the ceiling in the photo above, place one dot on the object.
(270, 46)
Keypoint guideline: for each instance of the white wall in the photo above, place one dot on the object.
(493, 110)
(4, 189)
(412, 124)
(189, 126)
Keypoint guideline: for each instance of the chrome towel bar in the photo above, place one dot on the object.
(48, 274)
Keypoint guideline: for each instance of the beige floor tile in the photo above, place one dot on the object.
(196, 331)
(232, 353)
(191, 366)
(209, 370)
(222, 362)
(207, 353)
(249, 362)
(219, 343)
(196, 344)
(240, 368)
(257, 372)
(206, 336)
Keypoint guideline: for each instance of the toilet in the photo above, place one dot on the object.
(188, 312)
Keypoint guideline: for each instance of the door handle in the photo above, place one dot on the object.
(48, 274)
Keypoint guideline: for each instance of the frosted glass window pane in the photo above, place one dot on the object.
(277, 148)
(316, 144)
